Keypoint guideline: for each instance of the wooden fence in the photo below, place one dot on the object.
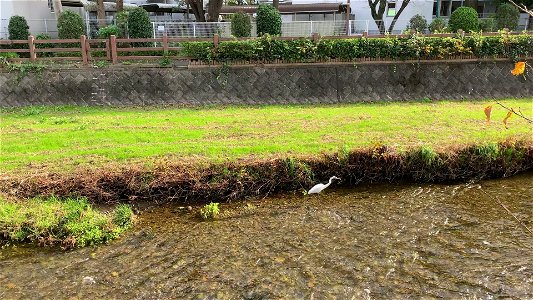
(115, 49)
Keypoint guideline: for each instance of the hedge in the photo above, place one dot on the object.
(393, 48)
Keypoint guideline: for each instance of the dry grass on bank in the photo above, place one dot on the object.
(62, 138)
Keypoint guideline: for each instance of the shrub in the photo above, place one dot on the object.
(139, 25)
(438, 25)
(393, 48)
(487, 25)
(70, 25)
(18, 28)
(418, 23)
(44, 36)
(268, 20)
(122, 22)
(507, 16)
(106, 32)
(464, 18)
(241, 25)
(209, 211)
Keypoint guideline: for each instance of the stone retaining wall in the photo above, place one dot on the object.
(268, 84)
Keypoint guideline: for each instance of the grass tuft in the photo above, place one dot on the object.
(71, 222)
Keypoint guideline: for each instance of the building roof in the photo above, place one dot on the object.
(290, 8)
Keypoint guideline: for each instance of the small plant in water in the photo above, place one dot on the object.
(210, 211)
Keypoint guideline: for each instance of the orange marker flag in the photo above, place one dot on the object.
(488, 110)
(509, 114)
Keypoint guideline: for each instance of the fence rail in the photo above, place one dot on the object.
(115, 49)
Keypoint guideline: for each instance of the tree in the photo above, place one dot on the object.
(527, 7)
(213, 10)
(58, 7)
(507, 16)
(524, 6)
(377, 9)
(119, 5)
(100, 13)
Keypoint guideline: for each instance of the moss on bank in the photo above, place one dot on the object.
(70, 223)
(180, 182)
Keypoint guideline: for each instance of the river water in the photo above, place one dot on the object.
(371, 242)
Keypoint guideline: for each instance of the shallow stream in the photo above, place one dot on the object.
(371, 242)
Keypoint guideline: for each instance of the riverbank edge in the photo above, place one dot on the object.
(204, 182)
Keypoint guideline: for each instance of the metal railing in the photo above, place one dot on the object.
(180, 29)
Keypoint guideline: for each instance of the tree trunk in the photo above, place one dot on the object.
(100, 13)
(377, 13)
(275, 3)
(213, 10)
(120, 5)
(197, 7)
(58, 7)
(404, 5)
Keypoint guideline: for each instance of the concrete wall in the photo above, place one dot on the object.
(275, 84)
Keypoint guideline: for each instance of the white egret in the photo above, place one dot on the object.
(319, 187)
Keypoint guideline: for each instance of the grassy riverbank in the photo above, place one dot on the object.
(62, 138)
(71, 222)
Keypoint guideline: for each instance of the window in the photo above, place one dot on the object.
(391, 9)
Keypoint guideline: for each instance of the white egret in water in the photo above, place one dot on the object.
(319, 187)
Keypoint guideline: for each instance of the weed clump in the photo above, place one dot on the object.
(210, 211)
(70, 223)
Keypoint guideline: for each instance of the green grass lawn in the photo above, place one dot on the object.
(64, 137)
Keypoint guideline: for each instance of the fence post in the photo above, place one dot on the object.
(31, 46)
(311, 33)
(194, 29)
(83, 40)
(113, 44)
(216, 39)
(366, 31)
(45, 26)
(165, 43)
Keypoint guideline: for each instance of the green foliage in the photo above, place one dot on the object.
(418, 23)
(4, 56)
(106, 32)
(72, 222)
(165, 61)
(210, 211)
(413, 47)
(122, 22)
(487, 25)
(438, 25)
(44, 36)
(507, 16)
(18, 28)
(428, 156)
(241, 26)
(24, 68)
(139, 25)
(464, 18)
(490, 151)
(268, 20)
(70, 25)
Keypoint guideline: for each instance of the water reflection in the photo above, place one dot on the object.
(427, 241)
